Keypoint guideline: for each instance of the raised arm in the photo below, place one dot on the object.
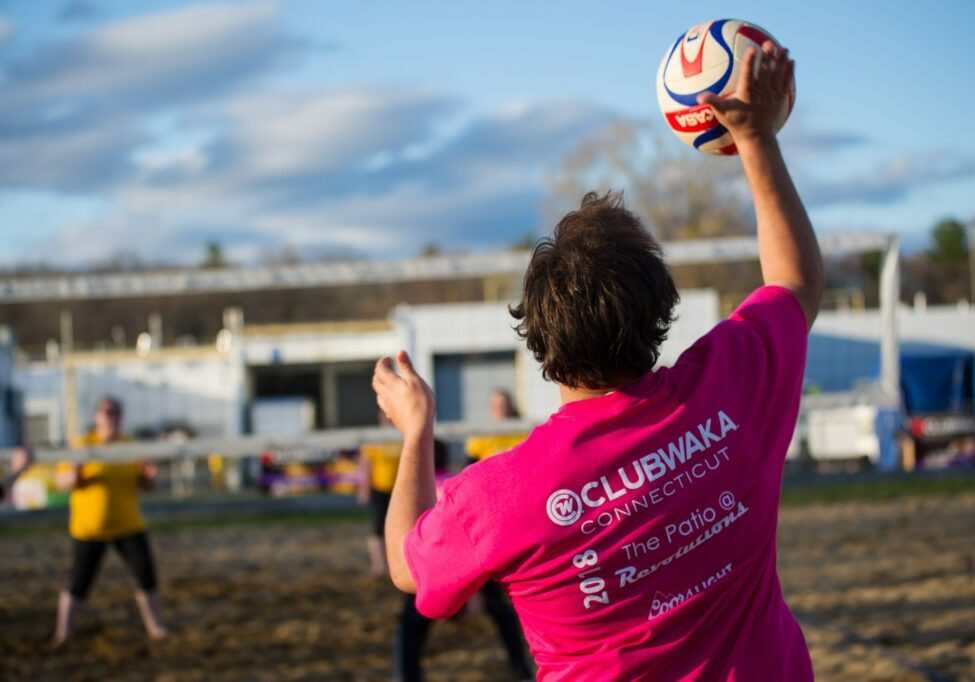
(364, 474)
(787, 247)
(21, 460)
(408, 402)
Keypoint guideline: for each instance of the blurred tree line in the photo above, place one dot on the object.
(940, 271)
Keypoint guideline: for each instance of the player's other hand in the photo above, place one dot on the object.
(405, 398)
(149, 470)
(751, 112)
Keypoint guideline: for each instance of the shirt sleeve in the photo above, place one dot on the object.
(761, 345)
(776, 323)
(774, 308)
(442, 558)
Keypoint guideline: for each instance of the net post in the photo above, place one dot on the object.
(889, 342)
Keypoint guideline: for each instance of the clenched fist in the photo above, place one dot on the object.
(405, 398)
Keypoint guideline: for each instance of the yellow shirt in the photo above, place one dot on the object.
(482, 447)
(342, 471)
(384, 461)
(106, 504)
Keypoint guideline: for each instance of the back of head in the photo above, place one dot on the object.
(598, 300)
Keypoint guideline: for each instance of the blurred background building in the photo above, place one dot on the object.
(285, 350)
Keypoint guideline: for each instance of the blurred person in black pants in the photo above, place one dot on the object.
(413, 627)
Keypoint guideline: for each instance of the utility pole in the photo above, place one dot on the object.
(971, 263)
(890, 294)
(67, 374)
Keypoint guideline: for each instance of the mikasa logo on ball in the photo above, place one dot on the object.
(691, 118)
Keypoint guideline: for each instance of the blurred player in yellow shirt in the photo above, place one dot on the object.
(378, 463)
(491, 599)
(502, 408)
(103, 509)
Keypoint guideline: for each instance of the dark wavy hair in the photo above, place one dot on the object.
(598, 299)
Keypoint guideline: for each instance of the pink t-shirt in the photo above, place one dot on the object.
(635, 532)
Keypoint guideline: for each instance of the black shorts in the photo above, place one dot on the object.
(379, 505)
(134, 550)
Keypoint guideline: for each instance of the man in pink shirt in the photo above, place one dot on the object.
(635, 529)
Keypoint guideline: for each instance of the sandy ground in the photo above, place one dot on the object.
(885, 591)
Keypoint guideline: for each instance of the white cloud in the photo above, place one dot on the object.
(893, 180)
(290, 170)
(169, 56)
(275, 133)
(75, 112)
(365, 169)
(6, 29)
(801, 141)
(67, 159)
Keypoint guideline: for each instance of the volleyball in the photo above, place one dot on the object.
(708, 57)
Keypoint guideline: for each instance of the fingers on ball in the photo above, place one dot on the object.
(784, 75)
(748, 68)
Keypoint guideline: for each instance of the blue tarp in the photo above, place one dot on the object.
(937, 378)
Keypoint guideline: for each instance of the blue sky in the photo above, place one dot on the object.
(374, 127)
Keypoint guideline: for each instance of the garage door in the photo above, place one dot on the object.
(464, 382)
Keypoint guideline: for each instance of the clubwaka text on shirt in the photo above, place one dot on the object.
(565, 507)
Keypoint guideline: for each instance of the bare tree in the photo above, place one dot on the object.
(282, 255)
(679, 193)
